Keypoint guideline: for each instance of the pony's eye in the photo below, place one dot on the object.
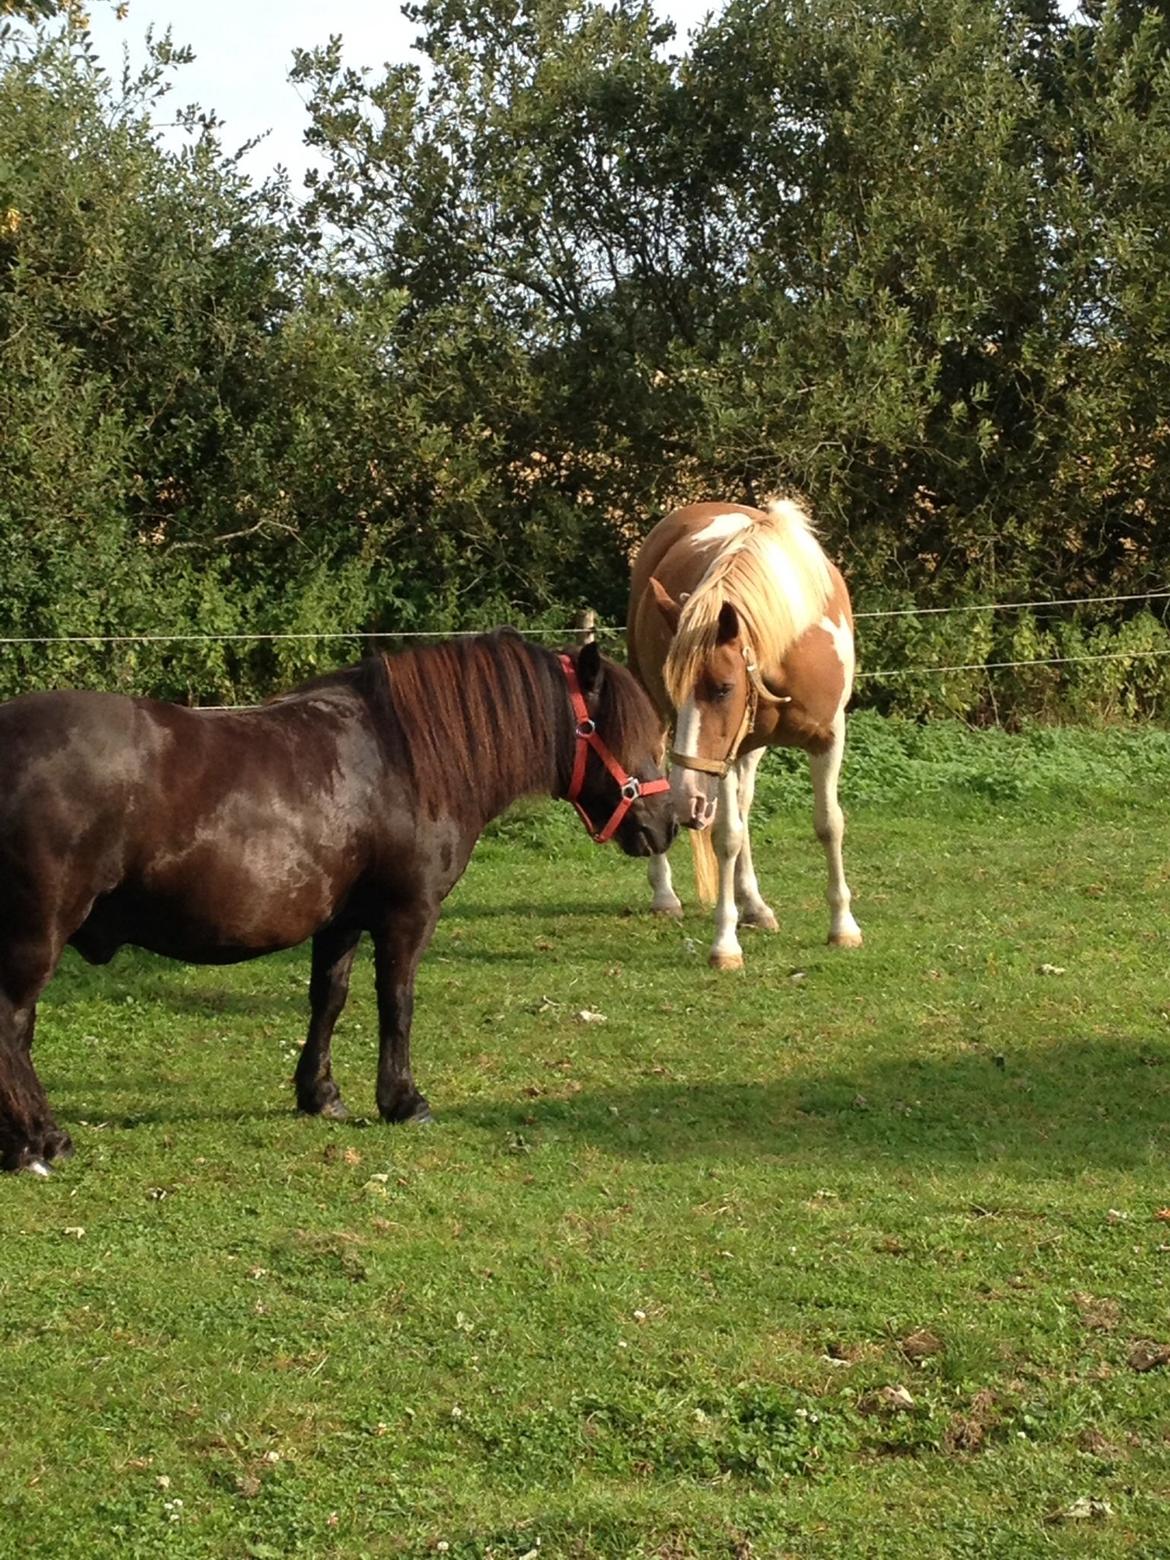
(723, 691)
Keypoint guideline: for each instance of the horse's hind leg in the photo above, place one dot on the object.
(829, 822)
(752, 909)
(29, 1137)
(333, 951)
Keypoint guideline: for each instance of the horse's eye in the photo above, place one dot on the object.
(723, 691)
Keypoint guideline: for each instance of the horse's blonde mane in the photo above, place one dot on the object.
(774, 574)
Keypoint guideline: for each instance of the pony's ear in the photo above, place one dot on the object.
(589, 668)
(665, 603)
(728, 628)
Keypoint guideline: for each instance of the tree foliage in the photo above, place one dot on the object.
(909, 259)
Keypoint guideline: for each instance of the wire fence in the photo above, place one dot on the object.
(586, 626)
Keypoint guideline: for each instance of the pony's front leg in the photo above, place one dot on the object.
(665, 900)
(829, 822)
(29, 1137)
(726, 954)
(398, 946)
(752, 909)
(333, 951)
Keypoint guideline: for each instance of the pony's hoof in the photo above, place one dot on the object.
(760, 920)
(726, 961)
(672, 912)
(415, 1112)
(334, 1110)
(38, 1167)
(845, 939)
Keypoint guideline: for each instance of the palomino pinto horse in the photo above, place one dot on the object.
(741, 631)
(349, 805)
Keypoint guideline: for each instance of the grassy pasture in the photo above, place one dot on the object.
(852, 1255)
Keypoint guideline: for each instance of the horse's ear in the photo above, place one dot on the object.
(728, 628)
(589, 668)
(665, 603)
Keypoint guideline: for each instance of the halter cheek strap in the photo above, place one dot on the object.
(758, 693)
(629, 786)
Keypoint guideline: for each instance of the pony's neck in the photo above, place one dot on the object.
(484, 722)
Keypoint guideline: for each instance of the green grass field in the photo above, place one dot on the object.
(854, 1254)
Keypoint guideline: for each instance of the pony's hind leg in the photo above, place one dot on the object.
(829, 822)
(752, 909)
(333, 951)
(665, 900)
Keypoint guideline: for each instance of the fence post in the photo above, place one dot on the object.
(586, 625)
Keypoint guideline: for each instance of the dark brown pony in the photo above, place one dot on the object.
(349, 805)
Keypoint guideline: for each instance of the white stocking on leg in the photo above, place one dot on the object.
(829, 822)
(752, 909)
(665, 900)
(726, 954)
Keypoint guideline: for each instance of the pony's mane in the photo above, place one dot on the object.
(483, 720)
(478, 722)
(774, 574)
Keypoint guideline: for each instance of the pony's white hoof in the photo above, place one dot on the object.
(761, 920)
(725, 961)
(845, 939)
(672, 912)
(38, 1167)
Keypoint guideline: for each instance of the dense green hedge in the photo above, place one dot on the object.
(911, 261)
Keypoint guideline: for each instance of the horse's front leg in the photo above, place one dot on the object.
(333, 951)
(399, 944)
(753, 911)
(726, 953)
(665, 900)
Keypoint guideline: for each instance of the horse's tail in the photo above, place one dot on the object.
(706, 866)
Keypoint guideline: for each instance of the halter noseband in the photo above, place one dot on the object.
(758, 694)
(630, 786)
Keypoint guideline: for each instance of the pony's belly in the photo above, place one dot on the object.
(181, 927)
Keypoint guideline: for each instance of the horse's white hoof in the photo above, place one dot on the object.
(761, 920)
(38, 1167)
(726, 961)
(844, 939)
(672, 912)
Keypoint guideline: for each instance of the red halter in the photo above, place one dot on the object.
(630, 786)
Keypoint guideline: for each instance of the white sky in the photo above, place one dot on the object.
(244, 49)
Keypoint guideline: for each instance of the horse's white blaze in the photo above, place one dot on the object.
(720, 529)
(693, 792)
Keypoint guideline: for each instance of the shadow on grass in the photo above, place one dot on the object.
(1058, 1110)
